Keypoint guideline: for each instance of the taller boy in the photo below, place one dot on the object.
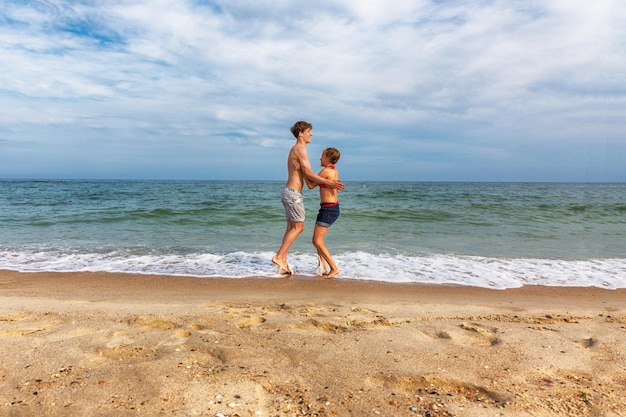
(298, 169)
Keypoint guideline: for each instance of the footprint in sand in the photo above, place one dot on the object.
(437, 334)
(487, 335)
(321, 325)
(246, 324)
(432, 387)
(119, 339)
(588, 343)
(153, 323)
(129, 353)
(14, 316)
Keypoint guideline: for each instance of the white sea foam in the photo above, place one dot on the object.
(484, 272)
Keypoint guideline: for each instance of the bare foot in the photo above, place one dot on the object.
(283, 268)
(331, 274)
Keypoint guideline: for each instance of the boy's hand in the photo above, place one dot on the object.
(337, 185)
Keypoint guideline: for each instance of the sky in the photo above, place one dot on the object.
(420, 90)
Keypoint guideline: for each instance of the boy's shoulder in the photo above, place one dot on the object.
(299, 149)
(329, 171)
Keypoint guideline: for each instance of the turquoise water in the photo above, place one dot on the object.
(496, 235)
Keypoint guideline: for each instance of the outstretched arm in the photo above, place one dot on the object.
(312, 179)
(310, 183)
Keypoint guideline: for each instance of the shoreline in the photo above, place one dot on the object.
(147, 345)
(122, 283)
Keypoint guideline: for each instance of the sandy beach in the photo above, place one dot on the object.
(98, 344)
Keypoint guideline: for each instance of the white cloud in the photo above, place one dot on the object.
(483, 75)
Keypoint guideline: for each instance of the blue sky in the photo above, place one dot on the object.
(422, 90)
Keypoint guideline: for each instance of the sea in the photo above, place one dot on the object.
(491, 235)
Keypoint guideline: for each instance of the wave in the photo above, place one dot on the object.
(486, 272)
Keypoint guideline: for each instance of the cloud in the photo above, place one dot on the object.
(482, 83)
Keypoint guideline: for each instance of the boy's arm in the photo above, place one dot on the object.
(310, 176)
(328, 175)
(309, 183)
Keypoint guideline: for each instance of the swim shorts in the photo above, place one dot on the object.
(328, 214)
(294, 204)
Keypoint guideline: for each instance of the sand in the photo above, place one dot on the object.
(98, 344)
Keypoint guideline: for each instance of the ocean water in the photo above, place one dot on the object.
(493, 235)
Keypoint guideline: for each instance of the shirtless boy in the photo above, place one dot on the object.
(329, 211)
(298, 169)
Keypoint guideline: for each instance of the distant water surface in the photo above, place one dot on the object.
(495, 235)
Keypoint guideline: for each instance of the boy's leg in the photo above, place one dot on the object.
(293, 230)
(318, 241)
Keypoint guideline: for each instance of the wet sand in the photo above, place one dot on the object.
(98, 344)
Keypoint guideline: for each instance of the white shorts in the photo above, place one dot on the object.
(293, 202)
